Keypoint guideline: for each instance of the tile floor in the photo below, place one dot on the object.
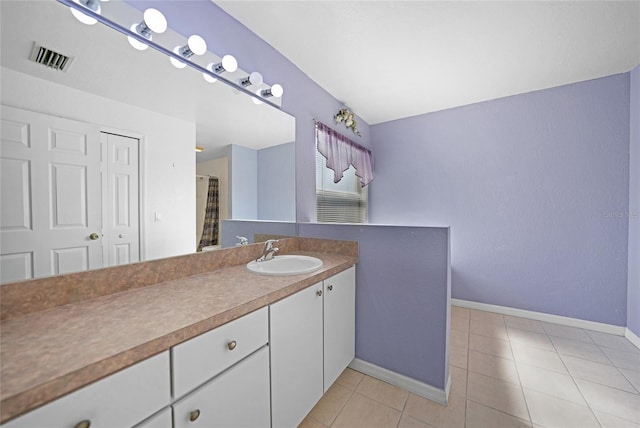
(506, 372)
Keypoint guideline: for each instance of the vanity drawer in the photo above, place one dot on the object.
(121, 400)
(203, 357)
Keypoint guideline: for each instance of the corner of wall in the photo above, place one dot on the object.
(633, 278)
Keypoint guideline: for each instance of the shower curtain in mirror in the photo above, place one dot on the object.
(210, 229)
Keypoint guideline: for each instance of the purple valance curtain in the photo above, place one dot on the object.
(341, 152)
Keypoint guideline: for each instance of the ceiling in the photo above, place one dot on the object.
(392, 59)
(106, 65)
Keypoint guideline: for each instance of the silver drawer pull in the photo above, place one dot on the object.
(83, 424)
(194, 415)
(231, 345)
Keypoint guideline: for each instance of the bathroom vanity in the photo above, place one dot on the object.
(223, 347)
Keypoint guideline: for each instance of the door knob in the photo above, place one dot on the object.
(94, 236)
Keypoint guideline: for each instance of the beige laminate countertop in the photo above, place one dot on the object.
(47, 354)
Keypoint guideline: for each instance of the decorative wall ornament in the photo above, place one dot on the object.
(349, 120)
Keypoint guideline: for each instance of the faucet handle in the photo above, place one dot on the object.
(243, 240)
(268, 244)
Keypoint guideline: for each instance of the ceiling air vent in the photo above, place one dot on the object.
(49, 58)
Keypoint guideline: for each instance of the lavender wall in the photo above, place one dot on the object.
(303, 98)
(532, 186)
(277, 183)
(633, 284)
(402, 297)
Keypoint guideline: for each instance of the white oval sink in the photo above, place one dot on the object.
(285, 265)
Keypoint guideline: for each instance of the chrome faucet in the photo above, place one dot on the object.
(269, 250)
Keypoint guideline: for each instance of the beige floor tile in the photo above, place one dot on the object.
(350, 378)
(612, 341)
(459, 312)
(486, 317)
(610, 421)
(458, 356)
(450, 416)
(524, 324)
(550, 411)
(482, 328)
(490, 345)
(490, 365)
(459, 338)
(598, 373)
(309, 422)
(586, 351)
(623, 359)
(383, 392)
(551, 383)
(618, 403)
(633, 377)
(460, 323)
(407, 421)
(331, 403)
(567, 332)
(497, 394)
(458, 381)
(538, 358)
(479, 416)
(363, 412)
(530, 339)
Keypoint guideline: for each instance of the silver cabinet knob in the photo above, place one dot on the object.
(93, 237)
(330, 287)
(231, 345)
(83, 424)
(319, 293)
(194, 415)
(121, 236)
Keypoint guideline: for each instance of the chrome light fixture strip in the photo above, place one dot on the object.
(127, 32)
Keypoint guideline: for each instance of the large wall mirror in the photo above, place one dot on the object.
(98, 160)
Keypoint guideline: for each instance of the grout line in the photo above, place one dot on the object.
(524, 397)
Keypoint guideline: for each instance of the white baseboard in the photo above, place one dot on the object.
(633, 338)
(422, 389)
(541, 316)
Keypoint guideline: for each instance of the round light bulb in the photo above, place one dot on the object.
(276, 90)
(134, 42)
(208, 77)
(80, 16)
(197, 45)
(229, 63)
(255, 78)
(256, 100)
(155, 20)
(176, 63)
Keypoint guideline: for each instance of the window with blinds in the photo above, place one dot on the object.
(342, 202)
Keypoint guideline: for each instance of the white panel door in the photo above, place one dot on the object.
(120, 181)
(51, 196)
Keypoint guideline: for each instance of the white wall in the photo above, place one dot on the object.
(167, 155)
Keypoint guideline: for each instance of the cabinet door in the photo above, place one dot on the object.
(339, 324)
(296, 356)
(239, 397)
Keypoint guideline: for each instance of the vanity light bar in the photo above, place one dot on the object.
(169, 52)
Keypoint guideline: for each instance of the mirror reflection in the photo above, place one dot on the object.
(98, 160)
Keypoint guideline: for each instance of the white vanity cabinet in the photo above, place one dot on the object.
(339, 324)
(121, 400)
(221, 378)
(239, 397)
(312, 341)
